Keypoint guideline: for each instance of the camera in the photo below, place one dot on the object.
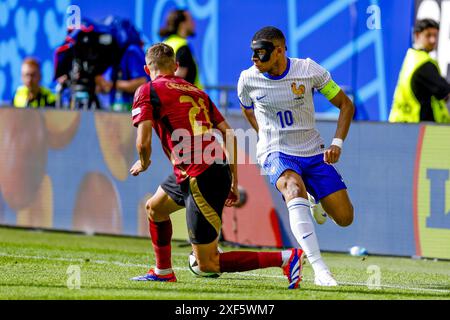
(86, 53)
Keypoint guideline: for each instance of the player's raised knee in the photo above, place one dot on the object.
(346, 218)
(149, 208)
(290, 188)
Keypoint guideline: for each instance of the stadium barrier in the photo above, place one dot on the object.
(68, 170)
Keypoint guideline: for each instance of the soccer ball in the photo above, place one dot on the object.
(242, 197)
(193, 267)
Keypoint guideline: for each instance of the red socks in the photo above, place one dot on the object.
(237, 261)
(161, 234)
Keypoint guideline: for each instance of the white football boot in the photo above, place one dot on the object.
(317, 210)
(325, 279)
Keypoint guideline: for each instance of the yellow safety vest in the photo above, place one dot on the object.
(406, 107)
(176, 42)
(47, 98)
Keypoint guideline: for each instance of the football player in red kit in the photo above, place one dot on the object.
(204, 178)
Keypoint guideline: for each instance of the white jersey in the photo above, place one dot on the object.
(284, 107)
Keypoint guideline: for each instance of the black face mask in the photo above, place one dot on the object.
(262, 45)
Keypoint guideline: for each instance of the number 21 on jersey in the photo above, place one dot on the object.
(286, 118)
(197, 107)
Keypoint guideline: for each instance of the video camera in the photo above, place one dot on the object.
(88, 52)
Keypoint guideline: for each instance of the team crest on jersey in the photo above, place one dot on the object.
(299, 91)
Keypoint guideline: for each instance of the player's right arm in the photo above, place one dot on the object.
(143, 147)
(246, 103)
(249, 114)
(142, 114)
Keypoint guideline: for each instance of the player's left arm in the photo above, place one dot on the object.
(143, 147)
(347, 110)
(230, 142)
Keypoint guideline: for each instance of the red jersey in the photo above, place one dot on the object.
(182, 117)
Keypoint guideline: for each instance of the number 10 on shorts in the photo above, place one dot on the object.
(286, 118)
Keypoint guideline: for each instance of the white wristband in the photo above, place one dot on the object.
(337, 142)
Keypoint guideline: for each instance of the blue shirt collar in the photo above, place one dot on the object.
(282, 75)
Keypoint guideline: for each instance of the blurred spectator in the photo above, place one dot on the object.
(32, 94)
(127, 77)
(179, 26)
(421, 91)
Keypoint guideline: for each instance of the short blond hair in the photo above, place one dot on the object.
(160, 56)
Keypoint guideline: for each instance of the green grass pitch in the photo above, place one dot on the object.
(35, 265)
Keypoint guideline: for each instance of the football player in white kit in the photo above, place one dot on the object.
(276, 95)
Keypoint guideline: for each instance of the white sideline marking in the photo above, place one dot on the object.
(117, 263)
(133, 265)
